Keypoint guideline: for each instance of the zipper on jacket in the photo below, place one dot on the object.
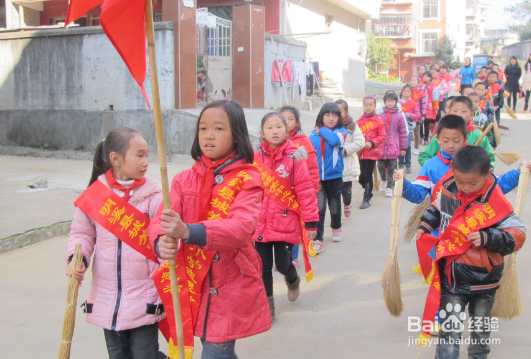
(208, 303)
(119, 284)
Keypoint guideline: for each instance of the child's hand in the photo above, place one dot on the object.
(402, 153)
(311, 234)
(420, 233)
(172, 224)
(396, 176)
(368, 144)
(475, 238)
(317, 130)
(528, 166)
(168, 247)
(78, 274)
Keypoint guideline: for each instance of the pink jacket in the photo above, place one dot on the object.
(239, 307)
(422, 101)
(414, 114)
(396, 135)
(276, 222)
(122, 289)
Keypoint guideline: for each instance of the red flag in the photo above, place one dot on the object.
(78, 8)
(124, 24)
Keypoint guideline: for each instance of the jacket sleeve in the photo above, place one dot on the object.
(334, 138)
(82, 231)
(423, 105)
(509, 181)
(305, 194)
(435, 95)
(235, 230)
(486, 145)
(414, 114)
(429, 152)
(505, 237)
(414, 193)
(357, 143)
(431, 219)
(313, 167)
(473, 74)
(380, 136)
(402, 133)
(500, 101)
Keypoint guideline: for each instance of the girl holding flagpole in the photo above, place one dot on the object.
(215, 207)
(411, 110)
(114, 212)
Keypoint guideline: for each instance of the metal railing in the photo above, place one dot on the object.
(395, 26)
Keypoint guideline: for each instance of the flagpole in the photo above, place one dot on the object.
(161, 146)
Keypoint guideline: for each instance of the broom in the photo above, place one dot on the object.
(71, 302)
(508, 302)
(375, 175)
(506, 157)
(391, 274)
(412, 225)
(497, 135)
(511, 112)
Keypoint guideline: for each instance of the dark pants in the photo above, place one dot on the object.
(330, 193)
(497, 115)
(347, 193)
(406, 160)
(428, 123)
(527, 93)
(479, 309)
(225, 350)
(282, 252)
(137, 343)
(514, 96)
(366, 174)
(390, 166)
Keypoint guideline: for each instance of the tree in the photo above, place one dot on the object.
(444, 51)
(522, 13)
(380, 55)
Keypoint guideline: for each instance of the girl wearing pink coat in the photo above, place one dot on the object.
(123, 299)
(279, 228)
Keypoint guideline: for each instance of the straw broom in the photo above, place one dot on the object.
(506, 157)
(508, 302)
(161, 147)
(391, 275)
(71, 303)
(511, 112)
(375, 175)
(412, 224)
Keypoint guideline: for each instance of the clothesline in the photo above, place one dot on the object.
(293, 57)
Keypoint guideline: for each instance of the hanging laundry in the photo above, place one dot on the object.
(295, 74)
(287, 74)
(275, 73)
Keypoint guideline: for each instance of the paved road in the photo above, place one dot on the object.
(340, 314)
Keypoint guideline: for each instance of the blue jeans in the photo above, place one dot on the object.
(295, 252)
(225, 350)
(406, 160)
(137, 343)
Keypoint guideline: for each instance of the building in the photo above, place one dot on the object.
(415, 26)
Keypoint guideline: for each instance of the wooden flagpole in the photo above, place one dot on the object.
(161, 147)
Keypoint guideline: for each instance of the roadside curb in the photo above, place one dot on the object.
(32, 236)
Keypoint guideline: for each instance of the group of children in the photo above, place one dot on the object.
(245, 211)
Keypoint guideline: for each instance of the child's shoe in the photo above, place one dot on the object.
(408, 169)
(318, 246)
(348, 211)
(366, 197)
(416, 151)
(295, 263)
(272, 307)
(336, 235)
(421, 141)
(389, 192)
(383, 186)
(293, 289)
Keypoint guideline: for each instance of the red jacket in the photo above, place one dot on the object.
(276, 222)
(301, 140)
(376, 136)
(240, 309)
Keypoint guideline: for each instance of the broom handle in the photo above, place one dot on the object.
(161, 147)
(485, 131)
(497, 135)
(521, 192)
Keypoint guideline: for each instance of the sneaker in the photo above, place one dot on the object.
(425, 143)
(295, 263)
(383, 186)
(348, 211)
(318, 246)
(416, 151)
(389, 192)
(408, 169)
(421, 141)
(365, 204)
(336, 235)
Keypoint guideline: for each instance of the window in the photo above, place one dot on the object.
(430, 9)
(429, 41)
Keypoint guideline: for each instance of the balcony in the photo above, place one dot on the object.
(395, 27)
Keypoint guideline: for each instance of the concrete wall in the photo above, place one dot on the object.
(337, 52)
(289, 49)
(521, 50)
(378, 89)
(77, 69)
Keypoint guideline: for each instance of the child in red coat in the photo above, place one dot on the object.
(373, 130)
(280, 228)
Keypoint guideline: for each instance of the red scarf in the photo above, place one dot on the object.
(292, 133)
(467, 198)
(470, 126)
(272, 152)
(111, 180)
(444, 160)
(205, 190)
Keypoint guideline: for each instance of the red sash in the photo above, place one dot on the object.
(282, 193)
(117, 216)
(482, 103)
(494, 89)
(369, 124)
(452, 243)
(418, 94)
(192, 264)
(408, 105)
(437, 81)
